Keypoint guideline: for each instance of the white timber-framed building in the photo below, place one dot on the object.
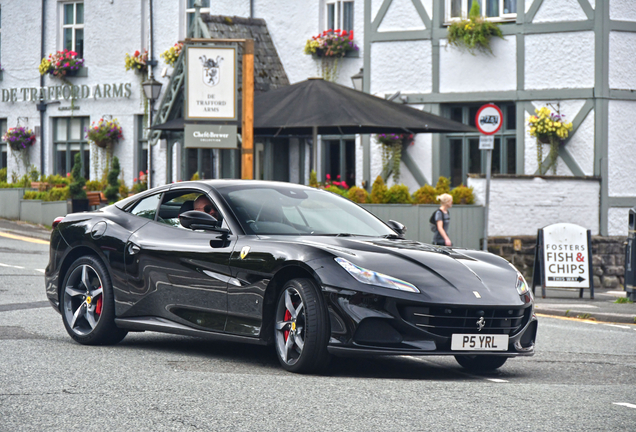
(574, 54)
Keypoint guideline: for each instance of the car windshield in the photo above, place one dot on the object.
(276, 210)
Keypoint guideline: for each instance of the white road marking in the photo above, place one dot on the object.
(40, 270)
(590, 322)
(619, 326)
(625, 404)
(461, 372)
(12, 266)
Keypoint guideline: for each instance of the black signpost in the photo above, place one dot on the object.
(563, 259)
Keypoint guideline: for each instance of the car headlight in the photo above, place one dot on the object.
(522, 285)
(370, 277)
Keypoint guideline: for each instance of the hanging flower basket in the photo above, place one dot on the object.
(548, 128)
(473, 33)
(61, 64)
(171, 55)
(105, 133)
(392, 151)
(19, 138)
(137, 62)
(331, 43)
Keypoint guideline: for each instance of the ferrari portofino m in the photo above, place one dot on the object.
(300, 268)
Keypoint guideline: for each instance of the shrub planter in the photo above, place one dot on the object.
(76, 205)
(466, 226)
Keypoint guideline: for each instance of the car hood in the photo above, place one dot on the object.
(442, 274)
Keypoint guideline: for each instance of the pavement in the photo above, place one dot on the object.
(557, 302)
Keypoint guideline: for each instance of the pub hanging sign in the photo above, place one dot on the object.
(211, 90)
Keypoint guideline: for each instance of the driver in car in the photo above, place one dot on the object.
(203, 203)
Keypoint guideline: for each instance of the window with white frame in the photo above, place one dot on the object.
(205, 8)
(490, 9)
(339, 15)
(461, 155)
(73, 27)
(69, 139)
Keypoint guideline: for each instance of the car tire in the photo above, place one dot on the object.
(480, 363)
(87, 303)
(301, 328)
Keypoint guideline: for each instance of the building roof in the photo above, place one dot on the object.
(269, 73)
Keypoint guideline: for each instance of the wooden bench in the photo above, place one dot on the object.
(95, 199)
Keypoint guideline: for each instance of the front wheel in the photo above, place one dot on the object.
(87, 304)
(481, 363)
(301, 332)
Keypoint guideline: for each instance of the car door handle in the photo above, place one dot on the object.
(134, 249)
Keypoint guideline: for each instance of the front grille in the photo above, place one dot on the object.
(444, 321)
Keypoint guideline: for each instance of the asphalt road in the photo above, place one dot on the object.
(583, 377)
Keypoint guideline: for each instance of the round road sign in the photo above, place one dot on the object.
(489, 119)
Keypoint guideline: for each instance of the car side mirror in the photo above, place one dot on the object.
(396, 226)
(198, 220)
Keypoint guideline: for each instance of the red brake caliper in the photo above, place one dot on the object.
(98, 306)
(287, 318)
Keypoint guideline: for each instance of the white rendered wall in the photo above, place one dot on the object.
(20, 62)
(559, 10)
(563, 60)
(622, 61)
(622, 10)
(461, 71)
(617, 219)
(621, 144)
(401, 16)
(521, 206)
(404, 66)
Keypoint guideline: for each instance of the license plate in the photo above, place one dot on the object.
(477, 342)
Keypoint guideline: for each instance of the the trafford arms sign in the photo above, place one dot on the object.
(67, 92)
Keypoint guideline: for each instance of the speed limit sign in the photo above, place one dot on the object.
(489, 119)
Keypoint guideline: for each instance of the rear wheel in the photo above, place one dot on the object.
(301, 331)
(480, 363)
(87, 304)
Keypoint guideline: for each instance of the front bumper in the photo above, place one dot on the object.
(369, 324)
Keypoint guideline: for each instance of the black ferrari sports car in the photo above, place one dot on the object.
(277, 263)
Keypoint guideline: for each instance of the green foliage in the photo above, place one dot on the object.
(57, 180)
(443, 185)
(139, 187)
(358, 195)
(195, 176)
(33, 173)
(425, 195)
(337, 190)
(94, 186)
(123, 189)
(313, 179)
(3, 175)
(112, 190)
(463, 195)
(398, 194)
(623, 300)
(76, 188)
(59, 194)
(55, 194)
(378, 191)
(32, 195)
(473, 33)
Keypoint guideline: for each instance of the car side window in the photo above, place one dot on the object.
(147, 207)
(178, 202)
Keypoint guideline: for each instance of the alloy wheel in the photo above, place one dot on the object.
(83, 300)
(290, 326)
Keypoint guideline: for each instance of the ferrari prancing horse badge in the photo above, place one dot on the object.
(245, 251)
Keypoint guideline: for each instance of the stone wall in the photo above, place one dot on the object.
(608, 257)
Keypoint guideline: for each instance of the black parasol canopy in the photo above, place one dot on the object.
(334, 109)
